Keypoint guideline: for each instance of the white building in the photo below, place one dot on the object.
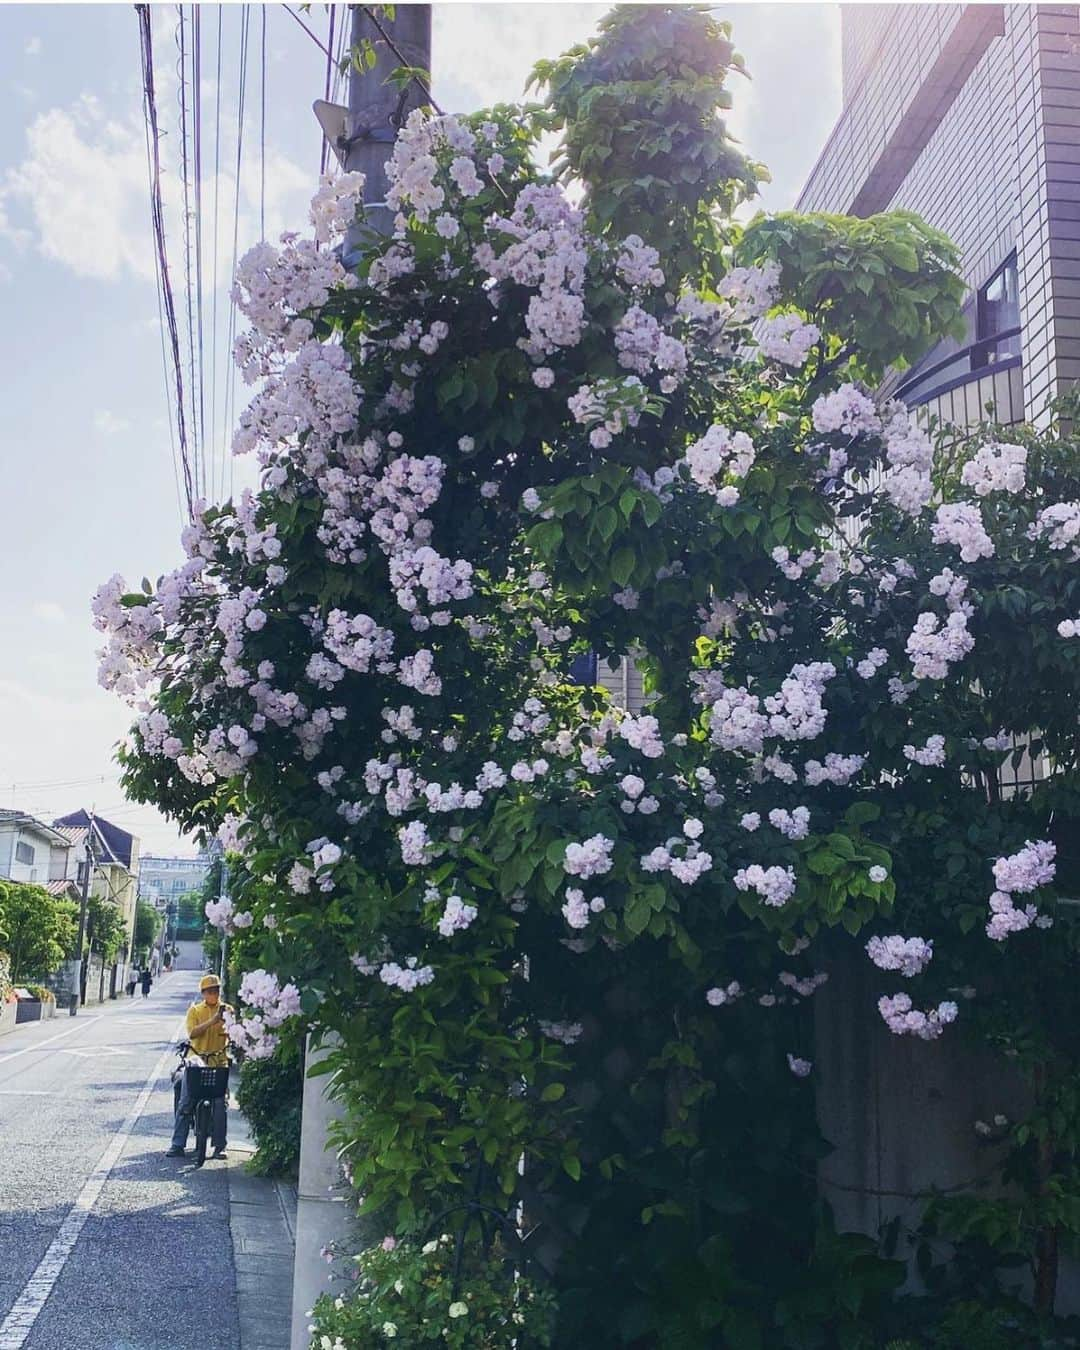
(32, 851)
(162, 880)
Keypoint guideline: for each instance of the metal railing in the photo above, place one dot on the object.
(998, 352)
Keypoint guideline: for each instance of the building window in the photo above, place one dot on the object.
(997, 315)
(583, 669)
(24, 853)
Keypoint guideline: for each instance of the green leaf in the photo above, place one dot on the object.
(638, 912)
(553, 1092)
(622, 566)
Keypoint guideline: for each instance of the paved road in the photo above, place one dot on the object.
(105, 1244)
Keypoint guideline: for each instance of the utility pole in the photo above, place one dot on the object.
(377, 108)
(223, 891)
(84, 905)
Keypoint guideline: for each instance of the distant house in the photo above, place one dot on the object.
(35, 852)
(115, 876)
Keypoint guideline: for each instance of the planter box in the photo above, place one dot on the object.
(29, 1010)
(9, 1013)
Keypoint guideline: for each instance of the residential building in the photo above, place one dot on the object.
(32, 851)
(115, 878)
(164, 879)
(969, 115)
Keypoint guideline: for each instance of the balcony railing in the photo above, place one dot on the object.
(998, 352)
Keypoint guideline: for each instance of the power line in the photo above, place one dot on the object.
(326, 89)
(307, 30)
(30, 786)
(185, 173)
(230, 391)
(161, 262)
(262, 126)
(218, 450)
(196, 20)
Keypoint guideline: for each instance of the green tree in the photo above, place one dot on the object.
(38, 929)
(106, 932)
(190, 919)
(147, 927)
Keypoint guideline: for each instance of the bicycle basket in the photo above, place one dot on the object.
(204, 1083)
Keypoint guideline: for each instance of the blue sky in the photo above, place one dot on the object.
(86, 471)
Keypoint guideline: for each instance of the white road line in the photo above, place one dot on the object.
(7, 1056)
(19, 1322)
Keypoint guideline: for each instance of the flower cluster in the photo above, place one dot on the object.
(903, 1019)
(910, 956)
(995, 468)
(775, 885)
(257, 1035)
(1020, 873)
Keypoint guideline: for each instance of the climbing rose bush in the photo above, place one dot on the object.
(510, 438)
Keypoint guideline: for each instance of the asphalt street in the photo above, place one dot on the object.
(106, 1244)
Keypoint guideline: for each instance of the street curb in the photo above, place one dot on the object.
(263, 1228)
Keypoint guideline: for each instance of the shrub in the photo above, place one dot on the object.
(270, 1095)
(410, 1295)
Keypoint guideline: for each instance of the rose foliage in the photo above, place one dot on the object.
(521, 431)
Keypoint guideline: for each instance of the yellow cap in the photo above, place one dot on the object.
(209, 982)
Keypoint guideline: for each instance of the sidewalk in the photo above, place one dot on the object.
(262, 1220)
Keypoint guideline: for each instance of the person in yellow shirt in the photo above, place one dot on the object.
(210, 1041)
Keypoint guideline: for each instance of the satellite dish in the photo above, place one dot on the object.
(334, 120)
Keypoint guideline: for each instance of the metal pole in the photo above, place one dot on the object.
(76, 993)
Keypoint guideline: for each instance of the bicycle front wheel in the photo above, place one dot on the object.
(202, 1131)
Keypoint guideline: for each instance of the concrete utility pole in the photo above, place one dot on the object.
(377, 108)
(84, 904)
(223, 891)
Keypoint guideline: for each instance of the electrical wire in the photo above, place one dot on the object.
(161, 262)
(219, 450)
(230, 392)
(262, 127)
(326, 88)
(196, 89)
(185, 174)
(307, 30)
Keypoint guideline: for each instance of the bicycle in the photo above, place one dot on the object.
(206, 1085)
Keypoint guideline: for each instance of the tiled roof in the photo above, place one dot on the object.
(118, 843)
(28, 821)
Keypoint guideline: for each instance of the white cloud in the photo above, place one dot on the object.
(81, 196)
(483, 54)
(50, 611)
(83, 185)
(33, 47)
(108, 423)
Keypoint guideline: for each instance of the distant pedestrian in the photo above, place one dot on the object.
(146, 982)
(132, 981)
